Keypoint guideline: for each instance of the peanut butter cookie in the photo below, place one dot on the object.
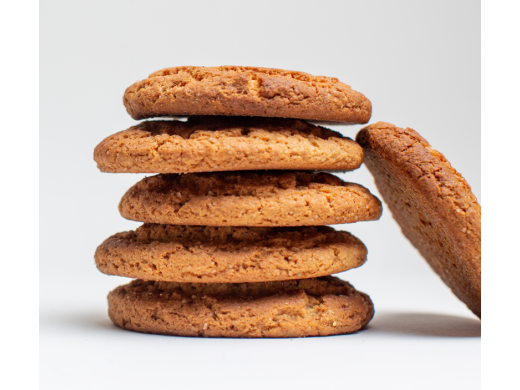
(196, 254)
(245, 91)
(209, 144)
(432, 203)
(291, 198)
(309, 307)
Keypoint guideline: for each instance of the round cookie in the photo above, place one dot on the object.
(291, 198)
(196, 254)
(432, 203)
(297, 308)
(209, 144)
(245, 91)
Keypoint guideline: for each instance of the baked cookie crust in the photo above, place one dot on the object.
(212, 144)
(290, 198)
(196, 254)
(310, 307)
(245, 91)
(431, 202)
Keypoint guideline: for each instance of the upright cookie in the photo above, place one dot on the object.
(432, 203)
(213, 144)
(196, 254)
(292, 198)
(310, 307)
(245, 91)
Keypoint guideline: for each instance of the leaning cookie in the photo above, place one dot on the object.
(195, 254)
(293, 198)
(245, 91)
(211, 144)
(432, 203)
(310, 307)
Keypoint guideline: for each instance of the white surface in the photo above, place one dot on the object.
(418, 62)
(420, 338)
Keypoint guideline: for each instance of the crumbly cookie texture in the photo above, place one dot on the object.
(245, 91)
(209, 144)
(195, 254)
(432, 203)
(309, 307)
(291, 198)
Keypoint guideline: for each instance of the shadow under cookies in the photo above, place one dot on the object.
(384, 323)
(424, 324)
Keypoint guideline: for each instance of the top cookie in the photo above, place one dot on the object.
(432, 203)
(245, 91)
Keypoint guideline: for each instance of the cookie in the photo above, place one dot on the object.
(208, 144)
(195, 254)
(432, 203)
(272, 198)
(245, 91)
(309, 307)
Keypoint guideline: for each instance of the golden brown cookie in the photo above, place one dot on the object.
(291, 198)
(245, 91)
(432, 203)
(309, 307)
(196, 254)
(209, 144)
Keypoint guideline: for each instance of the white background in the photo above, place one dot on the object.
(419, 64)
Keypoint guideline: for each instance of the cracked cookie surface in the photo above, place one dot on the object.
(431, 202)
(211, 144)
(179, 253)
(297, 308)
(273, 198)
(245, 91)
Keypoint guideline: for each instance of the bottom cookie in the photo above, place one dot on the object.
(294, 308)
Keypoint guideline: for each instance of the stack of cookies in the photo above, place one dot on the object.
(234, 242)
